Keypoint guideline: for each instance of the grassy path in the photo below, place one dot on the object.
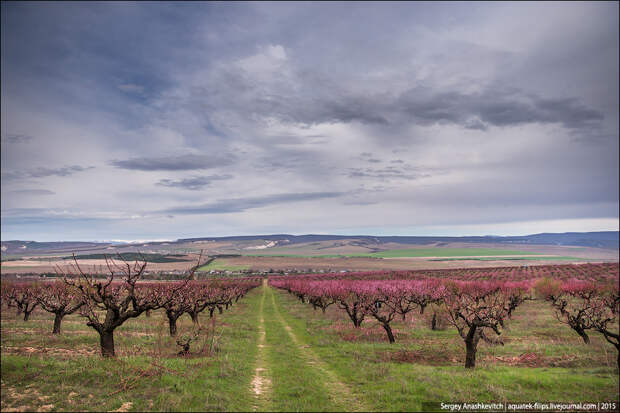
(289, 375)
(339, 393)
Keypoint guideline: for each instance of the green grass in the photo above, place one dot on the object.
(305, 256)
(295, 386)
(75, 379)
(448, 252)
(220, 265)
(365, 361)
(512, 259)
(66, 371)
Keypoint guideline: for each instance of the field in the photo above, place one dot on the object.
(349, 254)
(416, 252)
(270, 352)
(527, 258)
(220, 265)
(291, 263)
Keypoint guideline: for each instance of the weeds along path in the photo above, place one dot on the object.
(340, 397)
(261, 383)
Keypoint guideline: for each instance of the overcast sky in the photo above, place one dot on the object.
(169, 120)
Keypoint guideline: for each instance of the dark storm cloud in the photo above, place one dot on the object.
(17, 216)
(44, 172)
(296, 140)
(17, 138)
(174, 163)
(497, 107)
(303, 98)
(47, 220)
(224, 206)
(313, 100)
(389, 172)
(32, 192)
(193, 183)
(306, 162)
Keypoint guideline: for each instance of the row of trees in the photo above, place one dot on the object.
(108, 303)
(585, 306)
(599, 272)
(478, 310)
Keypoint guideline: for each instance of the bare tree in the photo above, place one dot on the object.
(108, 303)
(60, 299)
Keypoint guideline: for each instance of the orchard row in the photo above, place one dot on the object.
(604, 272)
(107, 303)
(477, 309)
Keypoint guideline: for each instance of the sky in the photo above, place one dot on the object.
(175, 120)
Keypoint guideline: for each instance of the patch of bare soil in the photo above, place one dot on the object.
(366, 334)
(261, 384)
(416, 356)
(46, 332)
(12, 400)
(76, 352)
(535, 360)
(445, 358)
(124, 407)
(135, 333)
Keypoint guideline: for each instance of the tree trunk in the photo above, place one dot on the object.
(470, 346)
(172, 323)
(434, 321)
(27, 315)
(57, 320)
(148, 313)
(194, 317)
(106, 340)
(583, 335)
(352, 313)
(388, 330)
(211, 310)
(470, 357)
(219, 308)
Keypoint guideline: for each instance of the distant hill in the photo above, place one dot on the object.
(601, 239)
(34, 247)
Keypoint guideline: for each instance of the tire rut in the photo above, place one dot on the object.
(261, 384)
